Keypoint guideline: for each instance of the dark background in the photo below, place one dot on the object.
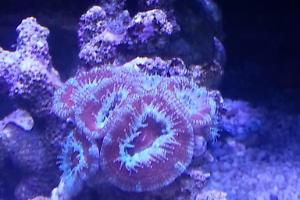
(261, 40)
(262, 44)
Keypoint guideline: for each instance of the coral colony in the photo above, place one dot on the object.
(131, 126)
(137, 115)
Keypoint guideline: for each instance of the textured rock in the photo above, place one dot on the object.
(108, 35)
(27, 74)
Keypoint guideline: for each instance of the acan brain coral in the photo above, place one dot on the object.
(78, 160)
(144, 126)
(152, 136)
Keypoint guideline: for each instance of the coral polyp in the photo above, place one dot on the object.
(78, 160)
(63, 105)
(153, 136)
(197, 101)
(74, 89)
(98, 107)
